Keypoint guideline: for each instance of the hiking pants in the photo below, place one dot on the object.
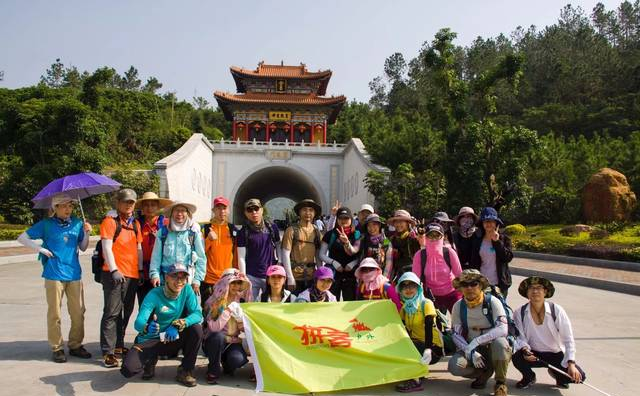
(54, 291)
(232, 356)
(496, 357)
(445, 303)
(553, 358)
(119, 300)
(143, 289)
(148, 352)
(345, 283)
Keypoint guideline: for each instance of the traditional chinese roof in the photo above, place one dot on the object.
(280, 71)
(226, 100)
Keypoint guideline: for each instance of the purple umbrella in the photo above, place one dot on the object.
(80, 186)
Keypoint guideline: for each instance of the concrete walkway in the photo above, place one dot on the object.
(606, 326)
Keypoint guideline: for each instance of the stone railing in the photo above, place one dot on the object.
(261, 145)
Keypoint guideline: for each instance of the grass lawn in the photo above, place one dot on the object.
(620, 245)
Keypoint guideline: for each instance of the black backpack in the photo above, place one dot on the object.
(97, 260)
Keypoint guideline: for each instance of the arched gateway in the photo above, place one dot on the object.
(279, 117)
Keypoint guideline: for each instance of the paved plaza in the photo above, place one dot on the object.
(606, 326)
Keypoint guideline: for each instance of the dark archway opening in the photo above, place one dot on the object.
(273, 182)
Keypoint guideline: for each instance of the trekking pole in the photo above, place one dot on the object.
(554, 368)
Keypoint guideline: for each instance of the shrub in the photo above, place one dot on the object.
(515, 229)
(552, 205)
(8, 235)
(531, 245)
(597, 233)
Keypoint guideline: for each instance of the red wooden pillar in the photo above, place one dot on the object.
(290, 132)
(268, 130)
(233, 129)
(325, 132)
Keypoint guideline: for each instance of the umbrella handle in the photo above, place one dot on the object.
(84, 220)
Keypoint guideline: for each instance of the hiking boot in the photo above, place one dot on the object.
(562, 385)
(413, 385)
(524, 383)
(149, 371)
(186, 378)
(500, 390)
(120, 352)
(80, 352)
(110, 360)
(59, 356)
(481, 381)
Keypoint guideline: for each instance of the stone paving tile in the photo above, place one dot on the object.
(578, 270)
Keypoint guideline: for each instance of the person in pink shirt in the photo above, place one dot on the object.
(437, 265)
(372, 285)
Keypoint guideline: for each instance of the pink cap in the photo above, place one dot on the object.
(220, 200)
(276, 270)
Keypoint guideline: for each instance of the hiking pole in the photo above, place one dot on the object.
(554, 368)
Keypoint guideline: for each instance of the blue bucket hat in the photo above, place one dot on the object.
(489, 213)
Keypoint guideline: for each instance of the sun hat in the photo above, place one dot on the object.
(343, 212)
(323, 273)
(177, 267)
(60, 199)
(252, 202)
(126, 194)
(167, 210)
(366, 207)
(307, 203)
(220, 200)
(524, 286)
(442, 217)
(367, 262)
(276, 270)
(490, 213)
(151, 196)
(464, 211)
(373, 218)
(470, 275)
(401, 215)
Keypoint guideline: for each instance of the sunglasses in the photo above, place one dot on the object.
(253, 209)
(469, 284)
(179, 277)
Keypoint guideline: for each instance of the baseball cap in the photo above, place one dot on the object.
(276, 270)
(220, 200)
(366, 207)
(177, 267)
(343, 212)
(252, 202)
(126, 194)
(434, 227)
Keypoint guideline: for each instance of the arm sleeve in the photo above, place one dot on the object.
(25, 240)
(143, 315)
(331, 223)
(456, 268)
(242, 263)
(503, 248)
(429, 321)
(388, 268)
(353, 247)
(287, 239)
(193, 308)
(351, 265)
(324, 254)
(566, 335)
(156, 258)
(521, 340)
(500, 324)
(286, 263)
(107, 251)
(416, 266)
(219, 323)
(456, 325)
(201, 262)
(140, 258)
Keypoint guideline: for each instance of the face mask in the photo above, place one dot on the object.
(467, 227)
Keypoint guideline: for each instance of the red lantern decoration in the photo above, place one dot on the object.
(272, 127)
(302, 128)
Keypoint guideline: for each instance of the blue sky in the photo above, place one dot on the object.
(189, 45)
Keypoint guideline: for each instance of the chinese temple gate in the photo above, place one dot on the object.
(280, 103)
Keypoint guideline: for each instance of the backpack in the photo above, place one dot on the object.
(423, 265)
(273, 237)
(296, 235)
(487, 311)
(444, 332)
(232, 231)
(553, 314)
(97, 259)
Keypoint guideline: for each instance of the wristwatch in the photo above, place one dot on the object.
(571, 361)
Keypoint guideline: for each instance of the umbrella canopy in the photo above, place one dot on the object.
(80, 186)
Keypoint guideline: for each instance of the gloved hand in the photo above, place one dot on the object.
(477, 360)
(45, 252)
(426, 357)
(236, 310)
(171, 334)
(117, 277)
(471, 347)
(153, 327)
(179, 324)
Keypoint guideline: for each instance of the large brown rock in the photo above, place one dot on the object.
(607, 197)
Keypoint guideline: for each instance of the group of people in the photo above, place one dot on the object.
(190, 280)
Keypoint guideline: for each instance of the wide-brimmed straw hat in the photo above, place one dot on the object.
(167, 210)
(367, 262)
(536, 280)
(401, 215)
(307, 203)
(151, 196)
(464, 211)
(470, 275)
(442, 217)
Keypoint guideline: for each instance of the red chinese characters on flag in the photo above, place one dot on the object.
(313, 335)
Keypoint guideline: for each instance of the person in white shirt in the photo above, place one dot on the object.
(545, 336)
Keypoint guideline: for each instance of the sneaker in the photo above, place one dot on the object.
(481, 381)
(212, 379)
(80, 352)
(149, 371)
(500, 390)
(59, 356)
(562, 385)
(410, 386)
(120, 352)
(186, 378)
(110, 360)
(524, 383)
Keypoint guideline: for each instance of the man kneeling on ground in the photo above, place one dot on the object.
(164, 331)
(480, 331)
(545, 336)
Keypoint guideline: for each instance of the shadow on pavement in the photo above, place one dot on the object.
(40, 351)
(101, 381)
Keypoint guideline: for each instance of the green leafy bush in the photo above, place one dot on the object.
(552, 205)
(515, 229)
(7, 235)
